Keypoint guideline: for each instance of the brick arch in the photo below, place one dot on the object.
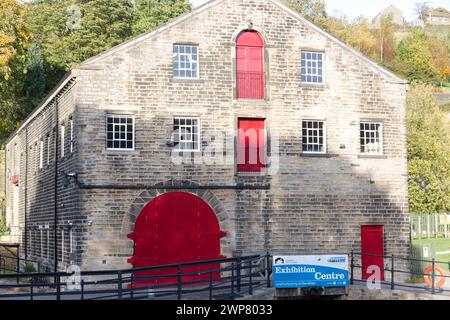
(148, 195)
(249, 27)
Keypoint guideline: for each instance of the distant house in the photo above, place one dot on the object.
(439, 17)
(394, 12)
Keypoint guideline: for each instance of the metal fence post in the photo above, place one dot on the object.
(119, 284)
(179, 288)
(250, 285)
(238, 275)
(352, 264)
(17, 267)
(392, 273)
(268, 268)
(132, 286)
(31, 289)
(433, 276)
(210, 285)
(58, 287)
(82, 289)
(232, 280)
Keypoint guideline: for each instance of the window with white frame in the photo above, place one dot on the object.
(120, 132)
(371, 135)
(63, 140)
(71, 134)
(185, 61)
(49, 149)
(186, 135)
(41, 154)
(313, 136)
(312, 67)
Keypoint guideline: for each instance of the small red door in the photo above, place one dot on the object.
(175, 228)
(250, 65)
(372, 243)
(251, 145)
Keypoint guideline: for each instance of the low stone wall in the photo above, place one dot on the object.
(363, 293)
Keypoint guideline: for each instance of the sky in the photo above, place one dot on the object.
(369, 8)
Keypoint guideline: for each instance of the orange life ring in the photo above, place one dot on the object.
(427, 276)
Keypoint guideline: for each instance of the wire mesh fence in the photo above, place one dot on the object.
(432, 225)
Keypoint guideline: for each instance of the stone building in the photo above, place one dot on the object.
(439, 17)
(237, 128)
(391, 11)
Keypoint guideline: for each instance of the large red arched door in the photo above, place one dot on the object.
(175, 228)
(250, 65)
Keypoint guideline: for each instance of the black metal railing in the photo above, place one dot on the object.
(212, 279)
(250, 85)
(400, 273)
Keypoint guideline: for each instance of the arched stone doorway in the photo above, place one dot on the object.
(173, 228)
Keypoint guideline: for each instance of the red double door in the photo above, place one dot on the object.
(372, 250)
(250, 65)
(251, 145)
(175, 228)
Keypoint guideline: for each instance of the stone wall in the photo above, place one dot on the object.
(313, 205)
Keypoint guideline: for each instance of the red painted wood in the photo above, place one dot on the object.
(250, 65)
(176, 227)
(372, 243)
(251, 145)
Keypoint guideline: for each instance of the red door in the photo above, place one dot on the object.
(372, 244)
(250, 65)
(175, 228)
(251, 145)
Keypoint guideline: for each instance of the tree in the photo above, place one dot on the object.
(428, 152)
(414, 59)
(440, 55)
(14, 42)
(385, 39)
(34, 79)
(422, 10)
(148, 14)
(313, 9)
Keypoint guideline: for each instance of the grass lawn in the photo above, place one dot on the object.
(440, 244)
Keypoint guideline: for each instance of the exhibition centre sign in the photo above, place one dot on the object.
(310, 271)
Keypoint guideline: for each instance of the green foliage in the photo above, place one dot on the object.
(428, 152)
(29, 268)
(34, 79)
(414, 59)
(148, 14)
(313, 9)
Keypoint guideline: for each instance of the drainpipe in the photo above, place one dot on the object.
(26, 193)
(55, 222)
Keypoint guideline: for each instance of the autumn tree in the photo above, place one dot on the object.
(413, 58)
(385, 39)
(313, 9)
(15, 40)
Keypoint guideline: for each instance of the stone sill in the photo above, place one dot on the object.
(366, 156)
(186, 80)
(318, 155)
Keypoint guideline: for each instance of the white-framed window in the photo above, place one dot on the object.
(70, 241)
(49, 148)
(312, 67)
(186, 133)
(62, 245)
(48, 241)
(185, 61)
(41, 154)
(41, 242)
(71, 134)
(313, 136)
(63, 140)
(371, 137)
(120, 132)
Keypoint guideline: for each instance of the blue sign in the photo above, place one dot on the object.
(310, 271)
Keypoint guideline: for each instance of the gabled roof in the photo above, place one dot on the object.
(212, 3)
(182, 18)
